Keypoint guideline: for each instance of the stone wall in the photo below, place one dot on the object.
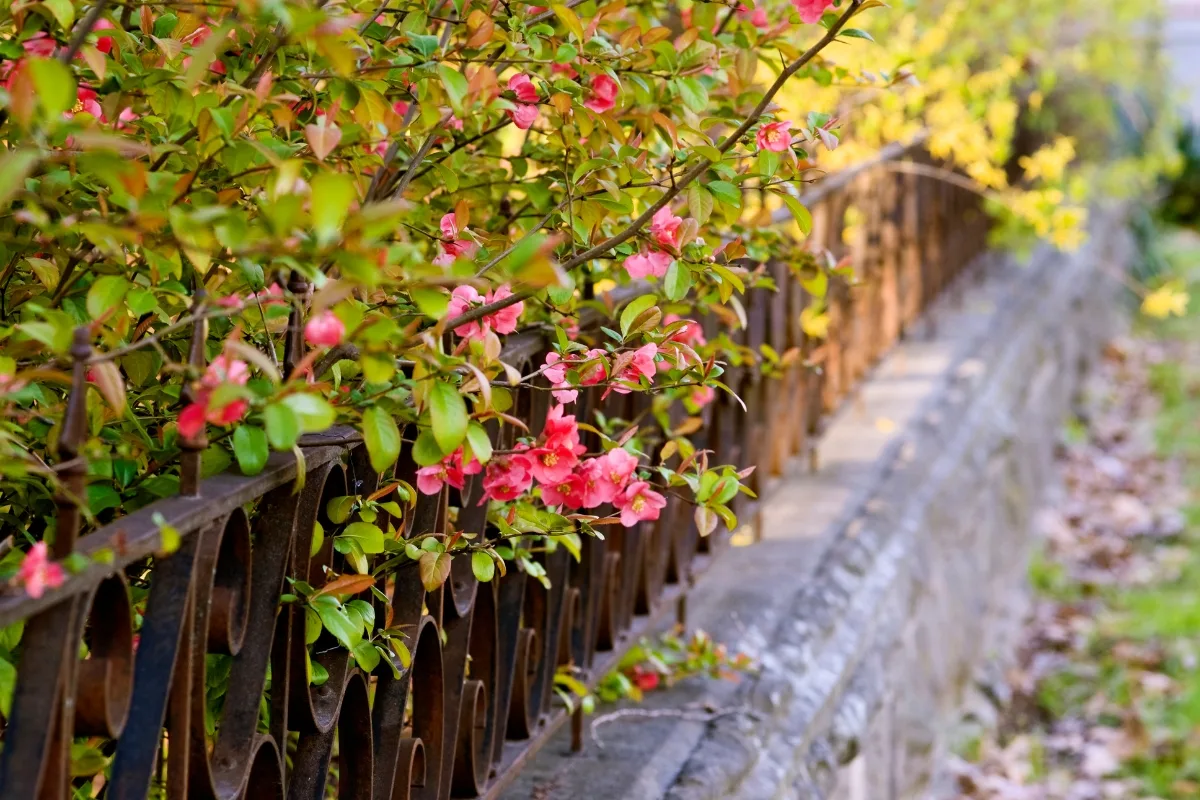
(886, 580)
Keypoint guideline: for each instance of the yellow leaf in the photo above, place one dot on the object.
(814, 322)
(568, 18)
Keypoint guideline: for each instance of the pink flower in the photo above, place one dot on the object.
(450, 469)
(229, 413)
(462, 299)
(105, 43)
(452, 245)
(604, 94)
(552, 464)
(38, 572)
(664, 227)
(648, 262)
(556, 458)
(560, 429)
(597, 488)
(566, 70)
(702, 396)
(87, 102)
(324, 330)
(506, 319)
(523, 88)
(555, 371)
(42, 45)
(523, 116)
(619, 466)
(400, 107)
(507, 478)
(690, 334)
(757, 17)
(430, 479)
(224, 369)
(642, 365)
(775, 136)
(591, 372)
(273, 294)
(191, 420)
(567, 491)
(639, 502)
(811, 10)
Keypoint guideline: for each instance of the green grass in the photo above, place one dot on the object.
(1158, 618)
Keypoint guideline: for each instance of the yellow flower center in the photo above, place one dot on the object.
(638, 503)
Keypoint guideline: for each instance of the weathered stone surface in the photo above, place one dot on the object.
(887, 582)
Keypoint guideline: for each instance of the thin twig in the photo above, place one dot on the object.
(81, 32)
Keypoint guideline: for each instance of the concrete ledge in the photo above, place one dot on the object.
(886, 579)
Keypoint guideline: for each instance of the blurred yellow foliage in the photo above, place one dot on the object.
(1165, 301)
(979, 77)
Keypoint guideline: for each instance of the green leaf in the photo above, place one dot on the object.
(15, 166)
(318, 540)
(700, 203)
(803, 218)
(426, 451)
(456, 86)
(726, 193)
(105, 295)
(677, 281)
(63, 11)
(332, 194)
(338, 622)
(338, 509)
(8, 682)
(483, 566)
(368, 536)
(313, 413)
(283, 428)
(382, 438)
(250, 448)
(434, 569)
(480, 442)
(855, 33)
(432, 302)
(366, 656)
(693, 93)
(634, 310)
(46, 271)
(449, 416)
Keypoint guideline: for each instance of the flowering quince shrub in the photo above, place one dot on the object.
(271, 221)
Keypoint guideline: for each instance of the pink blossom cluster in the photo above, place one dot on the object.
(666, 233)
(221, 371)
(505, 320)
(566, 480)
(38, 573)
